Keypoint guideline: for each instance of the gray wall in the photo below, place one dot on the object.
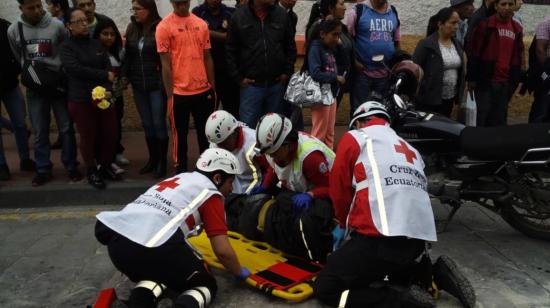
(414, 14)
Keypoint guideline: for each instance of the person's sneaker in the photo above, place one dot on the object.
(27, 165)
(121, 160)
(449, 278)
(41, 179)
(117, 169)
(5, 174)
(416, 297)
(94, 179)
(75, 175)
(108, 173)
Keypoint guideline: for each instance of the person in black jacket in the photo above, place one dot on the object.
(87, 66)
(486, 9)
(142, 69)
(288, 5)
(442, 58)
(11, 96)
(261, 52)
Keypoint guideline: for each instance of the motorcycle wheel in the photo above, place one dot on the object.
(529, 211)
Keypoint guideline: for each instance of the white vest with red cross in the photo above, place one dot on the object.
(251, 174)
(157, 214)
(292, 176)
(395, 184)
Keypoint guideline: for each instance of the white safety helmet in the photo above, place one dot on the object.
(220, 125)
(219, 160)
(367, 109)
(271, 132)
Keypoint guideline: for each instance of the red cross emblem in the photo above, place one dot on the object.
(168, 184)
(404, 149)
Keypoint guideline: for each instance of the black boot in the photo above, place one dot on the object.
(160, 171)
(142, 298)
(94, 178)
(4, 173)
(152, 147)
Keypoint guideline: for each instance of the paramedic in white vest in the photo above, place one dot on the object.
(147, 239)
(298, 160)
(379, 193)
(224, 131)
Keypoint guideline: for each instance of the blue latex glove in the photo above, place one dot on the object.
(258, 189)
(243, 274)
(301, 202)
(337, 237)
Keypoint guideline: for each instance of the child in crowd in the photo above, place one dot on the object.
(108, 38)
(321, 65)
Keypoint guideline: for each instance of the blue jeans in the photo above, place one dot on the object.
(15, 106)
(257, 101)
(363, 86)
(39, 111)
(152, 110)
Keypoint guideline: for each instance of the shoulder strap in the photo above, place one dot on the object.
(359, 7)
(23, 41)
(396, 15)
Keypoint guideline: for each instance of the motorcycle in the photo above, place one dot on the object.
(504, 169)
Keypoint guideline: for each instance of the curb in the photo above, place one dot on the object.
(54, 194)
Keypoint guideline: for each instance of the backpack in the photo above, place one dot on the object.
(359, 8)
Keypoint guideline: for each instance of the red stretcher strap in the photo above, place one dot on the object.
(105, 298)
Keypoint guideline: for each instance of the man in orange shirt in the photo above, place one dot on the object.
(183, 42)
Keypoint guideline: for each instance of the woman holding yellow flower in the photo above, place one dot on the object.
(89, 83)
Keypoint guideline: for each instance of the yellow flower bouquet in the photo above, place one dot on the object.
(99, 98)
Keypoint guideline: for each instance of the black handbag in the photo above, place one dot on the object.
(38, 76)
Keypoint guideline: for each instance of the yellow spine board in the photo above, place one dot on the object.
(256, 256)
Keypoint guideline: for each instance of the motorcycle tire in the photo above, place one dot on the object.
(522, 224)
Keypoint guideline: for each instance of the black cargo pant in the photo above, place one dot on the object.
(173, 263)
(200, 106)
(351, 270)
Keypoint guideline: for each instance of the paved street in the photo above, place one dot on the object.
(49, 258)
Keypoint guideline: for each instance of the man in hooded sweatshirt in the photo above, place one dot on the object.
(43, 35)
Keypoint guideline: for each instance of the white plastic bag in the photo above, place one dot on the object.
(469, 110)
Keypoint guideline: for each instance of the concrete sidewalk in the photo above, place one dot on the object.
(60, 191)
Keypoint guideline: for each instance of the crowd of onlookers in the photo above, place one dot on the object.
(191, 61)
